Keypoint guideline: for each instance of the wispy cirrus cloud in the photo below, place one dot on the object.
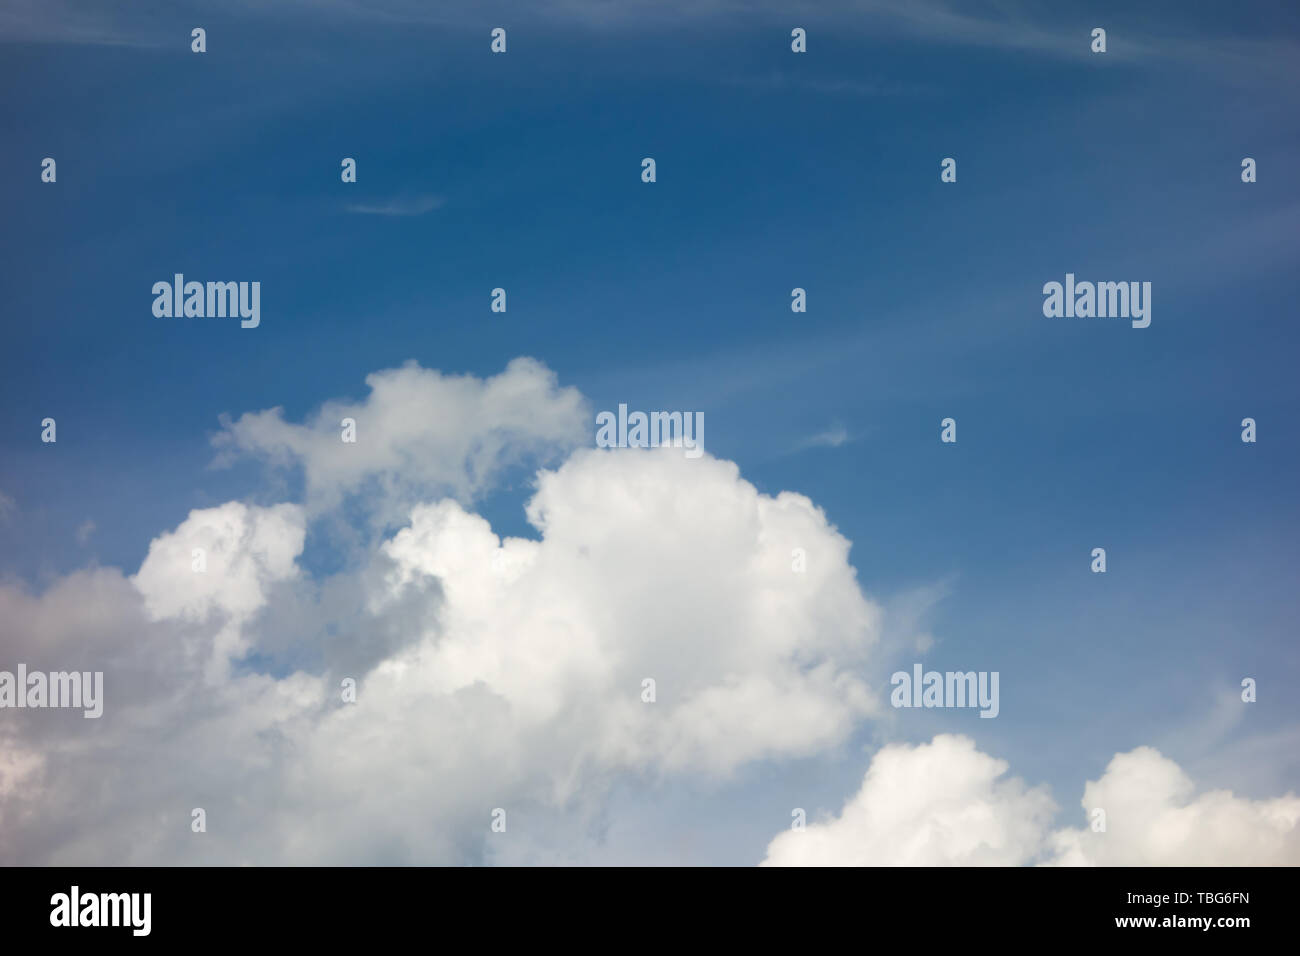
(66, 21)
(401, 206)
(833, 437)
(1015, 25)
(831, 86)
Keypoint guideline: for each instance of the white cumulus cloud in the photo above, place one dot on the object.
(490, 673)
(419, 434)
(947, 803)
(1154, 817)
(506, 673)
(938, 804)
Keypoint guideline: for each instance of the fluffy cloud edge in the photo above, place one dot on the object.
(947, 803)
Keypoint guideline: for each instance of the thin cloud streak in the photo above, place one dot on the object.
(398, 207)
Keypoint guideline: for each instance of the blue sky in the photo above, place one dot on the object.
(775, 170)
